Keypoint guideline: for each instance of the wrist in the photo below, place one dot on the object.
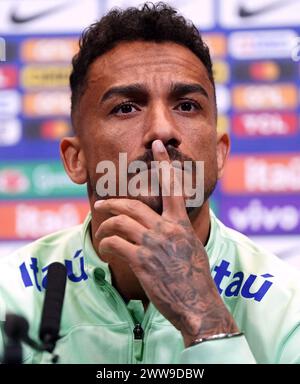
(209, 328)
(218, 336)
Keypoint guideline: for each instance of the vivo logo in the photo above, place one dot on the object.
(256, 217)
(34, 276)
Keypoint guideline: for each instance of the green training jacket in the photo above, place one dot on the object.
(261, 292)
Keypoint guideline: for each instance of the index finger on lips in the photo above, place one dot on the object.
(172, 205)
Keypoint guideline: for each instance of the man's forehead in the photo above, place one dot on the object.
(137, 57)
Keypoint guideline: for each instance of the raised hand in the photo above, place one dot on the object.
(168, 259)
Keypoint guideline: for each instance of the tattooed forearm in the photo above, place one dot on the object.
(183, 284)
(168, 259)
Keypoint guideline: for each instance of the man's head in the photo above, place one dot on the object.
(142, 75)
(156, 23)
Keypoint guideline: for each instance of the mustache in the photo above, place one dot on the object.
(174, 154)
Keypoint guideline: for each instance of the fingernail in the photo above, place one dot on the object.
(159, 146)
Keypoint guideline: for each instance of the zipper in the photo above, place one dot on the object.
(138, 343)
(139, 330)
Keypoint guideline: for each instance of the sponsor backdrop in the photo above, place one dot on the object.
(256, 50)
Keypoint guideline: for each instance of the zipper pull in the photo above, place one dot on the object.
(138, 333)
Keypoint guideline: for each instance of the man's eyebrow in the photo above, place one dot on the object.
(181, 89)
(125, 90)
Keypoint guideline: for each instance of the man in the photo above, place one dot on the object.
(150, 280)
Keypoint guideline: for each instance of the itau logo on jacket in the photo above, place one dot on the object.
(249, 286)
(31, 274)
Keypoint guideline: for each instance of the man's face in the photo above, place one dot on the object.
(142, 91)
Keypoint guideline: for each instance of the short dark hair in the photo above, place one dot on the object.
(153, 22)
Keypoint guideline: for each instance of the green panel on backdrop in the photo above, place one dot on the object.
(37, 180)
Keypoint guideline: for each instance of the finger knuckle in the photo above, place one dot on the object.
(170, 229)
(133, 205)
(109, 242)
(120, 221)
(107, 204)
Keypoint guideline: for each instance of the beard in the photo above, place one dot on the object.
(156, 202)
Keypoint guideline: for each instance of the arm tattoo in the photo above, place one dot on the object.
(183, 284)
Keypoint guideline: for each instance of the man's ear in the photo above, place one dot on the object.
(223, 147)
(73, 159)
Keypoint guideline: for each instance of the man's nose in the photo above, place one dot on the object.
(160, 124)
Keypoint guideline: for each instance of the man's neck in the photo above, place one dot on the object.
(123, 279)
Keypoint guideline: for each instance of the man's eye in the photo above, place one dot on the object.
(188, 106)
(124, 108)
